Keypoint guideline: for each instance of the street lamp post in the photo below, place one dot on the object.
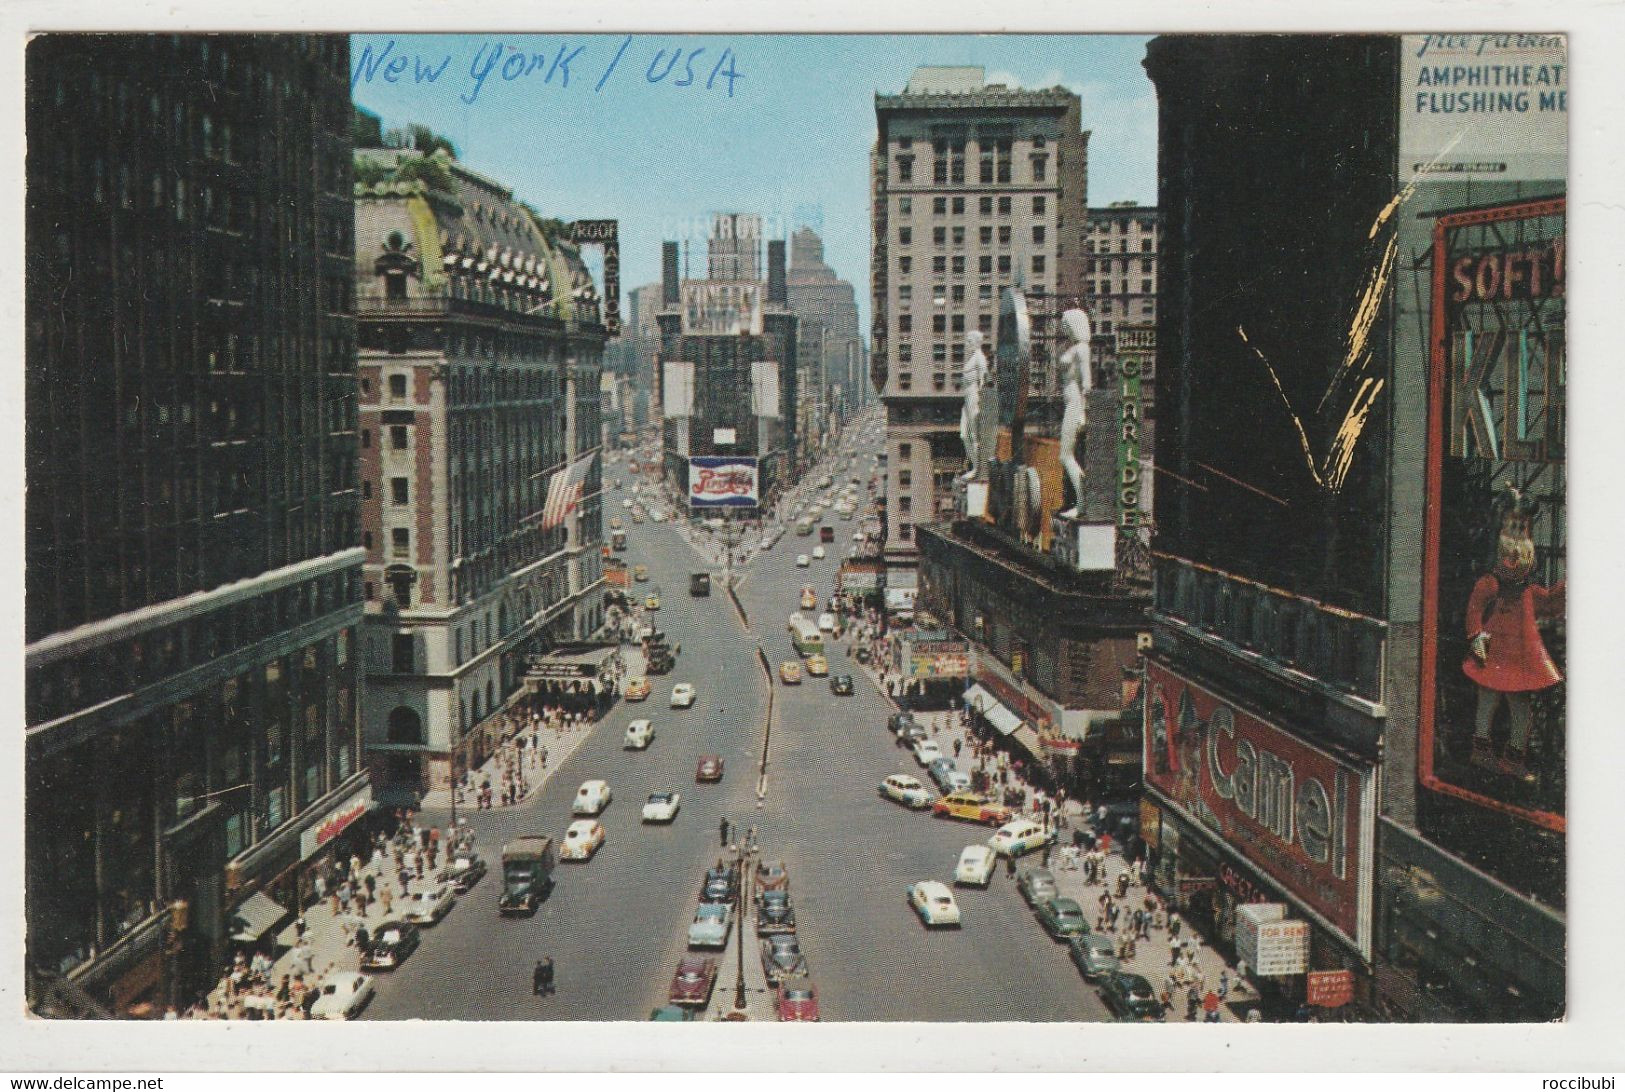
(741, 856)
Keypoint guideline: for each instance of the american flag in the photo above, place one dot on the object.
(564, 492)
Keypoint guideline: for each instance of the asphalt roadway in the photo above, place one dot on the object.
(615, 926)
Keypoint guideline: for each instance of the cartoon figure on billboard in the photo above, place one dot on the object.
(1508, 661)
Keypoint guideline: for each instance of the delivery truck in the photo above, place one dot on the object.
(527, 873)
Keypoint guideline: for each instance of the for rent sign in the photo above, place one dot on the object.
(1297, 815)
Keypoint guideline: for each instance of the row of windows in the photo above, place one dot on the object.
(1106, 227)
(1104, 246)
(1104, 288)
(943, 206)
(948, 167)
(943, 265)
(1124, 266)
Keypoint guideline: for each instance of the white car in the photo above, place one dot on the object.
(626, 502)
(801, 561)
(826, 622)
(975, 868)
(934, 903)
(662, 807)
(926, 752)
(765, 545)
(344, 994)
(906, 790)
(818, 553)
(592, 798)
(428, 906)
(682, 696)
(857, 536)
(1018, 837)
(639, 734)
(582, 840)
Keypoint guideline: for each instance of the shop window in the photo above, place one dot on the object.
(405, 726)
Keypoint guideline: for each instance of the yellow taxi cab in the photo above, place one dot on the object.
(809, 599)
(640, 572)
(637, 688)
(972, 806)
(790, 673)
(652, 603)
(817, 666)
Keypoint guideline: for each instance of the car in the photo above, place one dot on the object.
(1094, 955)
(721, 884)
(774, 914)
(927, 751)
(343, 995)
(972, 807)
(975, 867)
(710, 926)
(782, 958)
(947, 776)
(798, 1003)
(861, 654)
(428, 905)
(652, 602)
(693, 982)
(626, 502)
(614, 523)
(464, 871)
(898, 721)
(682, 696)
(1019, 837)
(670, 1013)
(637, 688)
(934, 903)
(840, 685)
(826, 622)
(790, 673)
(801, 561)
(906, 790)
(391, 943)
(910, 734)
(591, 798)
(809, 599)
(709, 768)
(661, 807)
(640, 573)
(639, 734)
(817, 666)
(1129, 996)
(1062, 918)
(1037, 886)
(857, 536)
(581, 840)
(818, 553)
(764, 546)
(772, 876)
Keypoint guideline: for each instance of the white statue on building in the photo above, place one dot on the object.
(980, 409)
(1077, 378)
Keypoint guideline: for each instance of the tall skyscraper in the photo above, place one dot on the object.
(977, 187)
(193, 560)
(827, 313)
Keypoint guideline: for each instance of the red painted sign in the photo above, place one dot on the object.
(1296, 814)
(1331, 989)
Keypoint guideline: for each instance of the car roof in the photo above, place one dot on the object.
(595, 783)
(644, 721)
(583, 824)
(932, 887)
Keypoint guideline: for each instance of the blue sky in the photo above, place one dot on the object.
(791, 141)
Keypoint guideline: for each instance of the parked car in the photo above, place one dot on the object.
(910, 734)
(1019, 837)
(934, 903)
(639, 734)
(592, 798)
(782, 958)
(391, 944)
(1129, 996)
(817, 666)
(343, 995)
(774, 914)
(948, 777)
(427, 906)
(927, 751)
(1094, 955)
(709, 768)
(721, 884)
(581, 840)
(661, 807)
(465, 871)
(709, 929)
(651, 602)
(840, 685)
(693, 982)
(975, 867)
(1037, 886)
(971, 806)
(906, 790)
(637, 688)
(682, 696)
(772, 876)
(670, 1013)
(1062, 918)
(798, 1003)
(898, 721)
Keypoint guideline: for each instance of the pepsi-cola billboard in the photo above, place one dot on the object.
(722, 481)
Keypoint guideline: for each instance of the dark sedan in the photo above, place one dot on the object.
(898, 721)
(721, 884)
(774, 913)
(693, 982)
(1037, 886)
(709, 769)
(1062, 918)
(910, 734)
(1130, 997)
(840, 685)
(782, 959)
(465, 872)
(392, 943)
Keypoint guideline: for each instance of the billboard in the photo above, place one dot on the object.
(722, 481)
(764, 388)
(729, 308)
(1492, 723)
(1298, 815)
(677, 388)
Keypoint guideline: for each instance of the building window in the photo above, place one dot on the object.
(959, 236)
(985, 235)
(939, 237)
(1040, 165)
(1004, 235)
(1004, 206)
(905, 451)
(905, 206)
(984, 264)
(905, 324)
(939, 353)
(939, 324)
(1145, 287)
(905, 381)
(905, 266)
(905, 353)
(400, 542)
(405, 726)
(958, 265)
(1038, 205)
(397, 437)
(905, 236)
(984, 292)
(986, 321)
(1004, 263)
(957, 294)
(939, 206)
(905, 294)
(397, 491)
(402, 657)
(986, 206)
(905, 478)
(397, 385)
(1146, 245)
(959, 206)
(958, 354)
(1038, 263)
(1038, 233)
(366, 437)
(939, 264)
(956, 323)
(905, 532)
(939, 381)
(905, 168)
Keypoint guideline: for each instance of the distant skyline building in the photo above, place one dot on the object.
(832, 356)
(734, 250)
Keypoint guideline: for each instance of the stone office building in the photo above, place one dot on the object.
(193, 568)
(482, 341)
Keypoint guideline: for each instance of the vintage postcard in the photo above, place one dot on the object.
(806, 527)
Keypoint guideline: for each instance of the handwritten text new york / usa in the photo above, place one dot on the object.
(662, 61)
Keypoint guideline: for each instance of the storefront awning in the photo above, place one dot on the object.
(257, 914)
(990, 707)
(1027, 737)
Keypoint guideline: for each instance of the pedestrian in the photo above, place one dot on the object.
(371, 885)
(957, 744)
(541, 979)
(1193, 1005)
(386, 898)
(299, 928)
(722, 831)
(1174, 925)
(1254, 1016)
(363, 939)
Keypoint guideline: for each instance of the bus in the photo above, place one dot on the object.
(805, 636)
